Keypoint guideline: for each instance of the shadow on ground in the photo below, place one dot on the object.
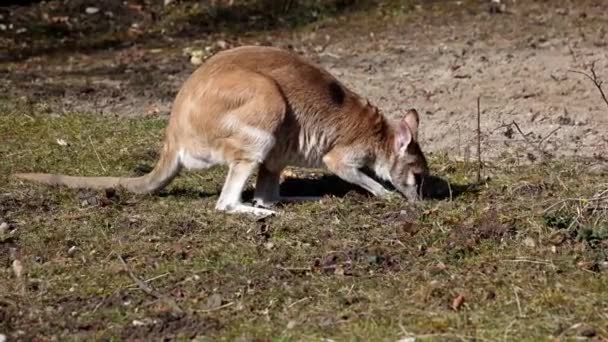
(433, 187)
(45, 28)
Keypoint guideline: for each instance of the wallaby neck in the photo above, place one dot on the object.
(381, 144)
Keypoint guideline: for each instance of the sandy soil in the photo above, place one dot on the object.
(438, 60)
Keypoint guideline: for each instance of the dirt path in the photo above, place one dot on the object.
(436, 60)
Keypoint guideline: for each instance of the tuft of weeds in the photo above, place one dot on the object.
(521, 256)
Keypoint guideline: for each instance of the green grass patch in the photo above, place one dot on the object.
(526, 251)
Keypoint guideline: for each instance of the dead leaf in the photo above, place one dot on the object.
(152, 109)
(136, 8)
(3, 228)
(557, 238)
(213, 302)
(339, 270)
(17, 268)
(59, 19)
(530, 242)
(457, 302)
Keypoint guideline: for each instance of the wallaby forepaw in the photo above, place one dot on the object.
(259, 213)
(260, 203)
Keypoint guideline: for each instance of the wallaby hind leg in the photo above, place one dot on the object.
(230, 198)
(266, 192)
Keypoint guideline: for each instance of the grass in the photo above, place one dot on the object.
(350, 267)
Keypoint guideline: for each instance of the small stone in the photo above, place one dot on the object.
(407, 339)
(214, 301)
(3, 228)
(196, 57)
(222, 44)
(530, 242)
(91, 10)
(72, 250)
(2, 338)
(138, 323)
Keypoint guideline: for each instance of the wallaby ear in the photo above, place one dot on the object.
(412, 119)
(403, 137)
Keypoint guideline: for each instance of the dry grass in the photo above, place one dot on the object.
(527, 255)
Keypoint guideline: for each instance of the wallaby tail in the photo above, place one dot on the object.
(164, 171)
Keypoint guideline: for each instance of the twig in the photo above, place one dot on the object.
(295, 269)
(97, 154)
(506, 334)
(538, 262)
(596, 81)
(298, 301)
(575, 200)
(518, 303)
(542, 153)
(151, 279)
(147, 289)
(450, 190)
(216, 309)
(572, 53)
(547, 136)
(479, 165)
(459, 140)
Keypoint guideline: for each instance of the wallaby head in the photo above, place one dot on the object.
(408, 165)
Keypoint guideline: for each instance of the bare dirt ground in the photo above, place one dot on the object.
(438, 59)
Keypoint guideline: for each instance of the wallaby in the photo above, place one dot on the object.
(263, 107)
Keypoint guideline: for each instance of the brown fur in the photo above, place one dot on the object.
(269, 107)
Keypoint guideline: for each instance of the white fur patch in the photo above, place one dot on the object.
(259, 142)
(312, 145)
(411, 179)
(197, 162)
(382, 169)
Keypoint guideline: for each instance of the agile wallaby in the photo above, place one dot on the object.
(251, 107)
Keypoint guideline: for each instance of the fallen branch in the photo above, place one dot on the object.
(216, 309)
(547, 136)
(148, 289)
(596, 81)
(529, 142)
(580, 200)
(479, 165)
